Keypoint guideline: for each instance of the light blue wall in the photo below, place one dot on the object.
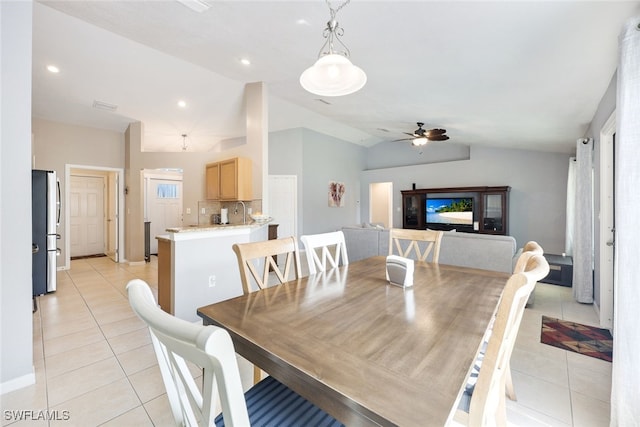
(538, 181)
(402, 153)
(316, 159)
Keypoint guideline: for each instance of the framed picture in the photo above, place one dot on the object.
(336, 193)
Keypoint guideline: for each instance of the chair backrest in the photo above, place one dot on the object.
(487, 401)
(256, 255)
(530, 248)
(176, 341)
(324, 242)
(414, 237)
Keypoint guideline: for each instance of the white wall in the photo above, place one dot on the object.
(538, 181)
(16, 347)
(58, 144)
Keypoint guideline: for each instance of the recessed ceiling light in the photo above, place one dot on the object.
(245, 61)
(182, 104)
(302, 21)
(53, 68)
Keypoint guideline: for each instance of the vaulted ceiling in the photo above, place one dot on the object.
(512, 74)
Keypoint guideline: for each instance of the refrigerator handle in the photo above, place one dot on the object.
(58, 203)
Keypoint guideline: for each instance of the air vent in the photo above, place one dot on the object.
(101, 105)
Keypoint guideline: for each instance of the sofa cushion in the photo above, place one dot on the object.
(485, 251)
(365, 242)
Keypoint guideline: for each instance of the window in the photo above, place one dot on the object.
(167, 191)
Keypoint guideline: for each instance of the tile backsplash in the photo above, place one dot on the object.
(212, 207)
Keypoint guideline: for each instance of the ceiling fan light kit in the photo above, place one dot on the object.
(420, 136)
(333, 74)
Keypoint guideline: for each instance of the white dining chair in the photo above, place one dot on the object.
(529, 249)
(332, 250)
(483, 400)
(254, 256)
(177, 342)
(415, 238)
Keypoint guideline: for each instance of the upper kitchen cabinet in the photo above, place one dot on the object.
(230, 179)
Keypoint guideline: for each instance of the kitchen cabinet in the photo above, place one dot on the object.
(213, 181)
(230, 179)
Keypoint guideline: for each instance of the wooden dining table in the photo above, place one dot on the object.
(366, 351)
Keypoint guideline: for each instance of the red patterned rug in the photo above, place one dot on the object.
(583, 339)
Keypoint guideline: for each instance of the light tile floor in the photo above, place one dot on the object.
(94, 361)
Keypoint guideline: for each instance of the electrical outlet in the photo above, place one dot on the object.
(203, 211)
(249, 211)
(212, 281)
(188, 211)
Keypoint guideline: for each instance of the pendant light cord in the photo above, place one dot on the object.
(335, 11)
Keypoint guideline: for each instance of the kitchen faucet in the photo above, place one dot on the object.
(244, 211)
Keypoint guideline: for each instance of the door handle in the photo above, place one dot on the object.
(610, 243)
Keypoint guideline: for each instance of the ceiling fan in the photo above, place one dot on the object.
(423, 136)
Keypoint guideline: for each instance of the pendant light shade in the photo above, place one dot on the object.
(333, 75)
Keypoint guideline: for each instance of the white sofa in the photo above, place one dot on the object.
(485, 251)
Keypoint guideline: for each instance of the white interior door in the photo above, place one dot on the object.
(164, 207)
(283, 202)
(607, 221)
(87, 215)
(112, 216)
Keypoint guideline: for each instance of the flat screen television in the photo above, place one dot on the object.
(449, 211)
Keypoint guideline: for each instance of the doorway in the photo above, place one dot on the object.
(163, 203)
(87, 215)
(283, 202)
(381, 203)
(607, 221)
(112, 211)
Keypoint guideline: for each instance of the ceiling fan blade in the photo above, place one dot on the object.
(432, 132)
(410, 134)
(403, 139)
(438, 138)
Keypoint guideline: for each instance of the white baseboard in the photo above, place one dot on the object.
(18, 383)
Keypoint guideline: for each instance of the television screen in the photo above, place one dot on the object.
(450, 210)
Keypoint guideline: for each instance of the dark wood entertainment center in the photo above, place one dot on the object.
(490, 209)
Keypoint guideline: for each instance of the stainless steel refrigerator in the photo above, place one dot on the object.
(45, 206)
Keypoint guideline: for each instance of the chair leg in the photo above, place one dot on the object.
(257, 374)
(509, 390)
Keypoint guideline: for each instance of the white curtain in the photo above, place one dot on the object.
(571, 207)
(583, 230)
(625, 388)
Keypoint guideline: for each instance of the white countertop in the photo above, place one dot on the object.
(217, 227)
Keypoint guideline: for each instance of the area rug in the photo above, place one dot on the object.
(583, 339)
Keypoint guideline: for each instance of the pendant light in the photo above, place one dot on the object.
(184, 142)
(333, 74)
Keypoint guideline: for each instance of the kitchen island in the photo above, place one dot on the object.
(196, 265)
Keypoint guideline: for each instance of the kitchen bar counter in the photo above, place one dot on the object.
(197, 265)
(217, 227)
